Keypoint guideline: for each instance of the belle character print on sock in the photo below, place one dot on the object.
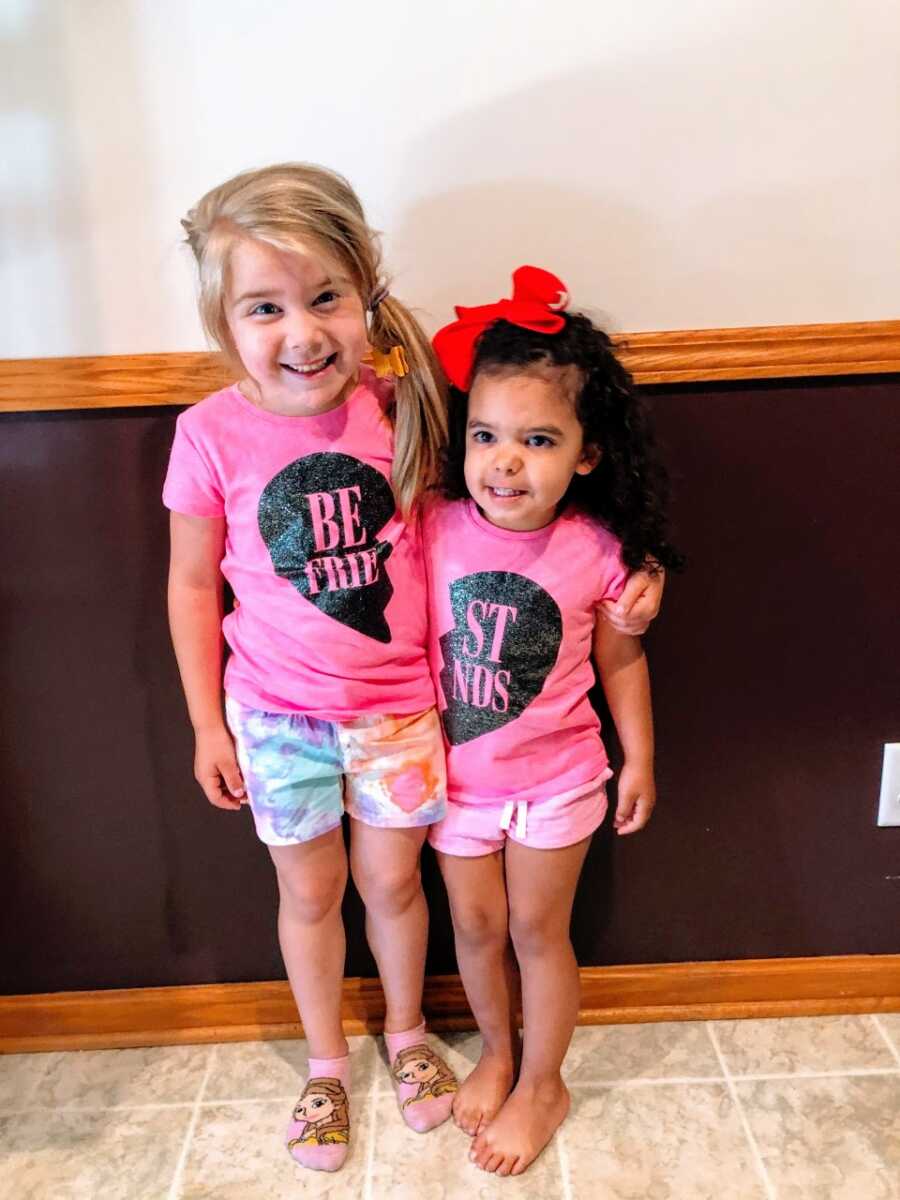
(324, 1109)
(320, 517)
(419, 1066)
(504, 643)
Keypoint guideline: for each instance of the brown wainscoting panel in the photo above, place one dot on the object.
(108, 381)
(764, 352)
(763, 987)
(610, 995)
(775, 688)
(680, 356)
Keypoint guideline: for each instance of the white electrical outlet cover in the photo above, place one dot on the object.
(889, 801)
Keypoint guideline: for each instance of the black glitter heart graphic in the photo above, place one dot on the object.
(504, 644)
(320, 517)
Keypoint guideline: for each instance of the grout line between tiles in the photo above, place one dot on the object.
(159, 1106)
(288, 1101)
(374, 1096)
(152, 1105)
(578, 1085)
(748, 1132)
(888, 1041)
(859, 1072)
(175, 1187)
(37, 1109)
(565, 1174)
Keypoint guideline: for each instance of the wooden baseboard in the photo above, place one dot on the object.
(679, 356)
(610, 995)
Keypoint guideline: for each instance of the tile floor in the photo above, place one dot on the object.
(796, 1109)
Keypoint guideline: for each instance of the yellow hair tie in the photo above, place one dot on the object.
(392, 363)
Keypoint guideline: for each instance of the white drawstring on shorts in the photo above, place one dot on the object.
(520, 808)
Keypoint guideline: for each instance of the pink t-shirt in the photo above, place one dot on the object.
(330, 582)
(512, 622)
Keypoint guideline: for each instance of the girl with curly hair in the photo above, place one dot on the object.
(552, 495)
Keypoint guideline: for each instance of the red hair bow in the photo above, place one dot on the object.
(538, 299)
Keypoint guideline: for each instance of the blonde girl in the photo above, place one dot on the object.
(298, 484)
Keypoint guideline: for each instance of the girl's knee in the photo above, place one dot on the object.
(390, 889)
(479, 926)
(533, 932)
(310, 897)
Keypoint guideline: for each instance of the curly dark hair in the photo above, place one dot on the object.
(628, 491)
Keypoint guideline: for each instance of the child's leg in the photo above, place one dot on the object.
(291, 767)
(477, 891)
(396, 788)
(386, 871)
(312, 877)
(541, 887)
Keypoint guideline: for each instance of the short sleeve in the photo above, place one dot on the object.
(191, 485)
(613, 572)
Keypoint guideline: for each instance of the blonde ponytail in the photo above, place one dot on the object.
(420, 401)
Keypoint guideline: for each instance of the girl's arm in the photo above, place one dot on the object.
(638, 604)
(622, 667)
(195, 619)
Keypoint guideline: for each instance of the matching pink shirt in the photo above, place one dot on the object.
(512, 620)
(329, 580)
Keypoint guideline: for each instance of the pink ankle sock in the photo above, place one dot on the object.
(424, 1083)
(319, 1133)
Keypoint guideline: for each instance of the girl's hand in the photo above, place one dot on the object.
(216, 768)
(636, 798)
(638, 604)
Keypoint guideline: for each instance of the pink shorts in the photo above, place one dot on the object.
(470, 830)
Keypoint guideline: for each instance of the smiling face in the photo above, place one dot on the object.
(314, 1107)
(298, 326)
(524, 443)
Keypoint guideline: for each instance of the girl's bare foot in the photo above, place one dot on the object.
(522, 1128)
(482, 1092)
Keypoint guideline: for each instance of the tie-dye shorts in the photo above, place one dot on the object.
(302, 774)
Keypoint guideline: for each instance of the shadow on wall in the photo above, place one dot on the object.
(739, 225)
(472, 239)
(73, 132)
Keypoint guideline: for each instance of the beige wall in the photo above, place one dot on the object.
(711, 162)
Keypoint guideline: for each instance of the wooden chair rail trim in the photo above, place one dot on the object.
(685, 356)
(610, 995)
